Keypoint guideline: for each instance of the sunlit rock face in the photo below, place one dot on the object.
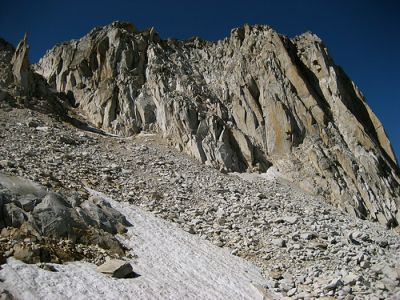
(251, 101)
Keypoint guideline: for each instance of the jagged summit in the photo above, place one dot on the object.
(309, 35)
(128, 26)
(252, 101)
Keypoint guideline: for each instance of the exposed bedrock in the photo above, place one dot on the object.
(247, 102)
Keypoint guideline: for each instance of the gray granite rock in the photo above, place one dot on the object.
(116, 268)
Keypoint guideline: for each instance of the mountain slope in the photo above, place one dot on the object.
(253, 100)
(301, 243)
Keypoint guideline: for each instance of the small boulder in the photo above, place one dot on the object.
(279, 242)
(351, 238)
(261, 196)
(334, 284)
(117, 268)
(6, 163)
(290, 219)
(48, 267)
(32, 122)
(308, 236)
(21, 186)
(275, 275)
(350, 279)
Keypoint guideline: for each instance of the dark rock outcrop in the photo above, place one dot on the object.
(54, 216)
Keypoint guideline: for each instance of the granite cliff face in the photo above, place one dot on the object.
(253, 101)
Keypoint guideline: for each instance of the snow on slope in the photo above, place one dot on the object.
(172, 265)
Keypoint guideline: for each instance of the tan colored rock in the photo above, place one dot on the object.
(25, 254)
(23, 76)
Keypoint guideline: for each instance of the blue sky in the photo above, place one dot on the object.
(362, 36)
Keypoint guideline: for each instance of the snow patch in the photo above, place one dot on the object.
(172, 264)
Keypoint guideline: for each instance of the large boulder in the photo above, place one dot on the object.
(54, 217)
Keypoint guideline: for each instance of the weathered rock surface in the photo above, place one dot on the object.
(247, 102)
(23, 76)
(20, 86)
(116, 268)
(28, 212)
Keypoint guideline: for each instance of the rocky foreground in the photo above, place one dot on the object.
(170, 264)
(305, 247)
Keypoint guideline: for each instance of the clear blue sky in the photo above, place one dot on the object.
(362, 36)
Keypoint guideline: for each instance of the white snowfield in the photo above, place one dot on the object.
(172, 264)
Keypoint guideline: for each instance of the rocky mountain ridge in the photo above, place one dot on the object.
(251, 101)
